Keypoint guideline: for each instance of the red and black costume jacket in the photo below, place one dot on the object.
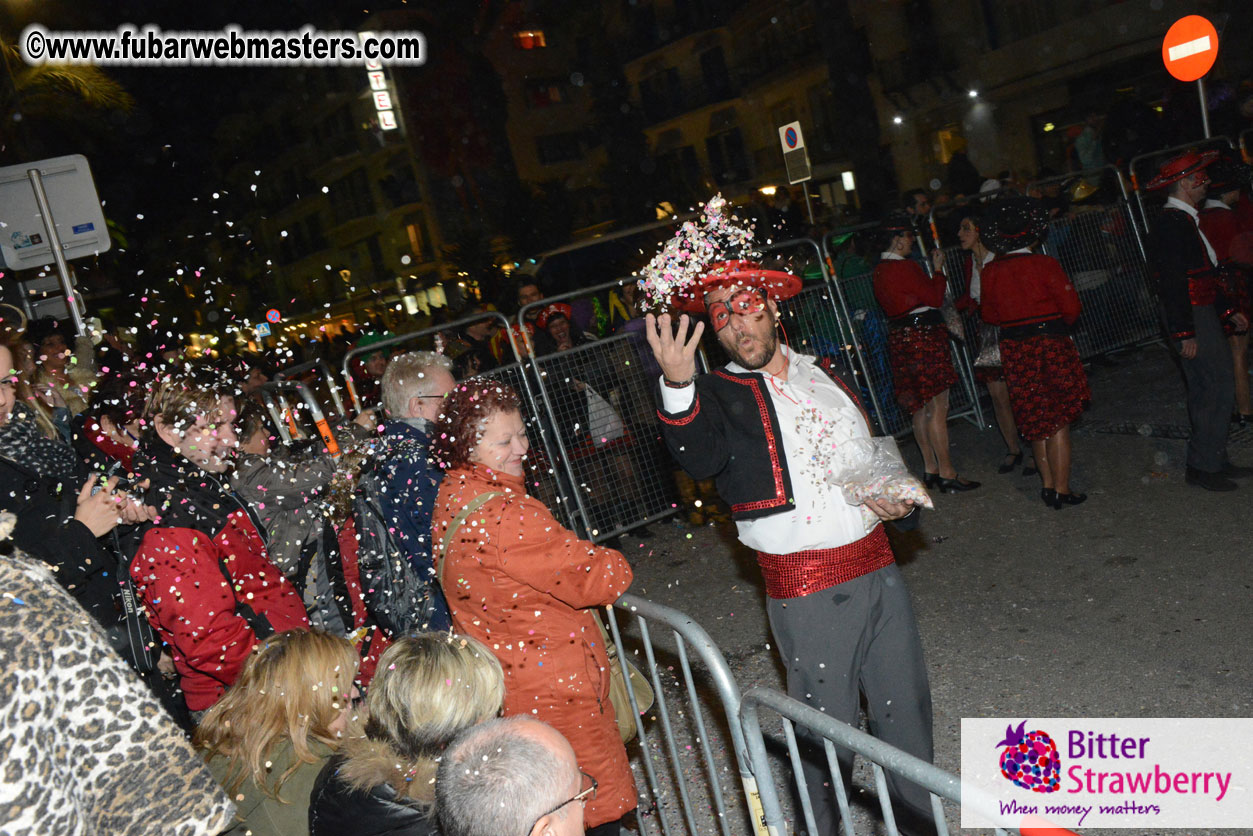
(900, 286)
(203, 574)
(1183, 273)
(730, 433)
(1222, 229)
(1026, 289)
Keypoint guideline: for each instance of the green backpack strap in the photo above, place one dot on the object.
(475, 504)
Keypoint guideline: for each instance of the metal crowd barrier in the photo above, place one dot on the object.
(327, 379)
(667, 732)
(1099, 251)
(883, 758)
(286, 417)
(548, 485)
(601, 408)
(866, 331)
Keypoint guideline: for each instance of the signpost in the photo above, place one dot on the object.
(796, 159)
(1189, 51)
(49, 210)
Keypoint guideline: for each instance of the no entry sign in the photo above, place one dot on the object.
(1190, 48)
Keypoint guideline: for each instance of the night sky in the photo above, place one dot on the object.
(178, 107)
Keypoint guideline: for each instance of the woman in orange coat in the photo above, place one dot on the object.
(519, 582)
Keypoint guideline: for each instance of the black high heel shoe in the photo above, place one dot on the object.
(1064, 499)
(955, 485)
(1049, 496)
(930, 480)
(1012, 460)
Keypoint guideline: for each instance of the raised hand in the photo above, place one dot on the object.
(675, 353)
(98, 511)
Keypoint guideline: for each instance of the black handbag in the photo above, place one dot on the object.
(132, 636)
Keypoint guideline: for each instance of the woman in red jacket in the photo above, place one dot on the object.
(527, 588)
(1031, 298)
(918, 349)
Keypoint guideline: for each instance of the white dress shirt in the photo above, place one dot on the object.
(1196, 219)
(813, 412)
(976, 274)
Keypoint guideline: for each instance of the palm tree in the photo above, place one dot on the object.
(47, 109)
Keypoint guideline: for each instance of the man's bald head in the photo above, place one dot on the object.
(509, 776)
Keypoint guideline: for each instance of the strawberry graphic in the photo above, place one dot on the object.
(1030, 759)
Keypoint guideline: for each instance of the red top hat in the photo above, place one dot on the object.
(744, 274)
(1180, 167)
(555, 309)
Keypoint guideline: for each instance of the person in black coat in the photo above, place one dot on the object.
(1195, 306)
(61, 511)
(428, 688)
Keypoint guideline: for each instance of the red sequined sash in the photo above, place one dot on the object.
(804, 573)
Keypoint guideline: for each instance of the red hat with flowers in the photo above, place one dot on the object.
(715, 252)
(1172, 171)
(745, 275)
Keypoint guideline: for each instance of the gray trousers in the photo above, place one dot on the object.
(1211, 392)
(858, 637)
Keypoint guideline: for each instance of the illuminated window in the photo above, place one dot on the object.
(529, 39)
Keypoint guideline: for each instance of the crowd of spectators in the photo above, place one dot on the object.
(220, 571)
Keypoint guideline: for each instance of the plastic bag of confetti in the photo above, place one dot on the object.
(872, 468)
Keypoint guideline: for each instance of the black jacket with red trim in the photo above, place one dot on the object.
(1181, 267)
(730, 433)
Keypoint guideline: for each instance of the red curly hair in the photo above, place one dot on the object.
(468, 407)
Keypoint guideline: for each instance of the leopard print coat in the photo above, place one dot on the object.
(85, 748)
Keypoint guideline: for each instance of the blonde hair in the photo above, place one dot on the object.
(293, 686)
(39, 412)
(428, 688)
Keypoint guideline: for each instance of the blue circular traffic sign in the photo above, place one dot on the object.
(272, 315)
(789, 136)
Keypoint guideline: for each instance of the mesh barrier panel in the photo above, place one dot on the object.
(1098, 251)
(544, 479)
(602, 409)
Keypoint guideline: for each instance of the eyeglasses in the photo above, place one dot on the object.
(587, 793)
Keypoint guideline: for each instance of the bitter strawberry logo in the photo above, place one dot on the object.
(1030, 759)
